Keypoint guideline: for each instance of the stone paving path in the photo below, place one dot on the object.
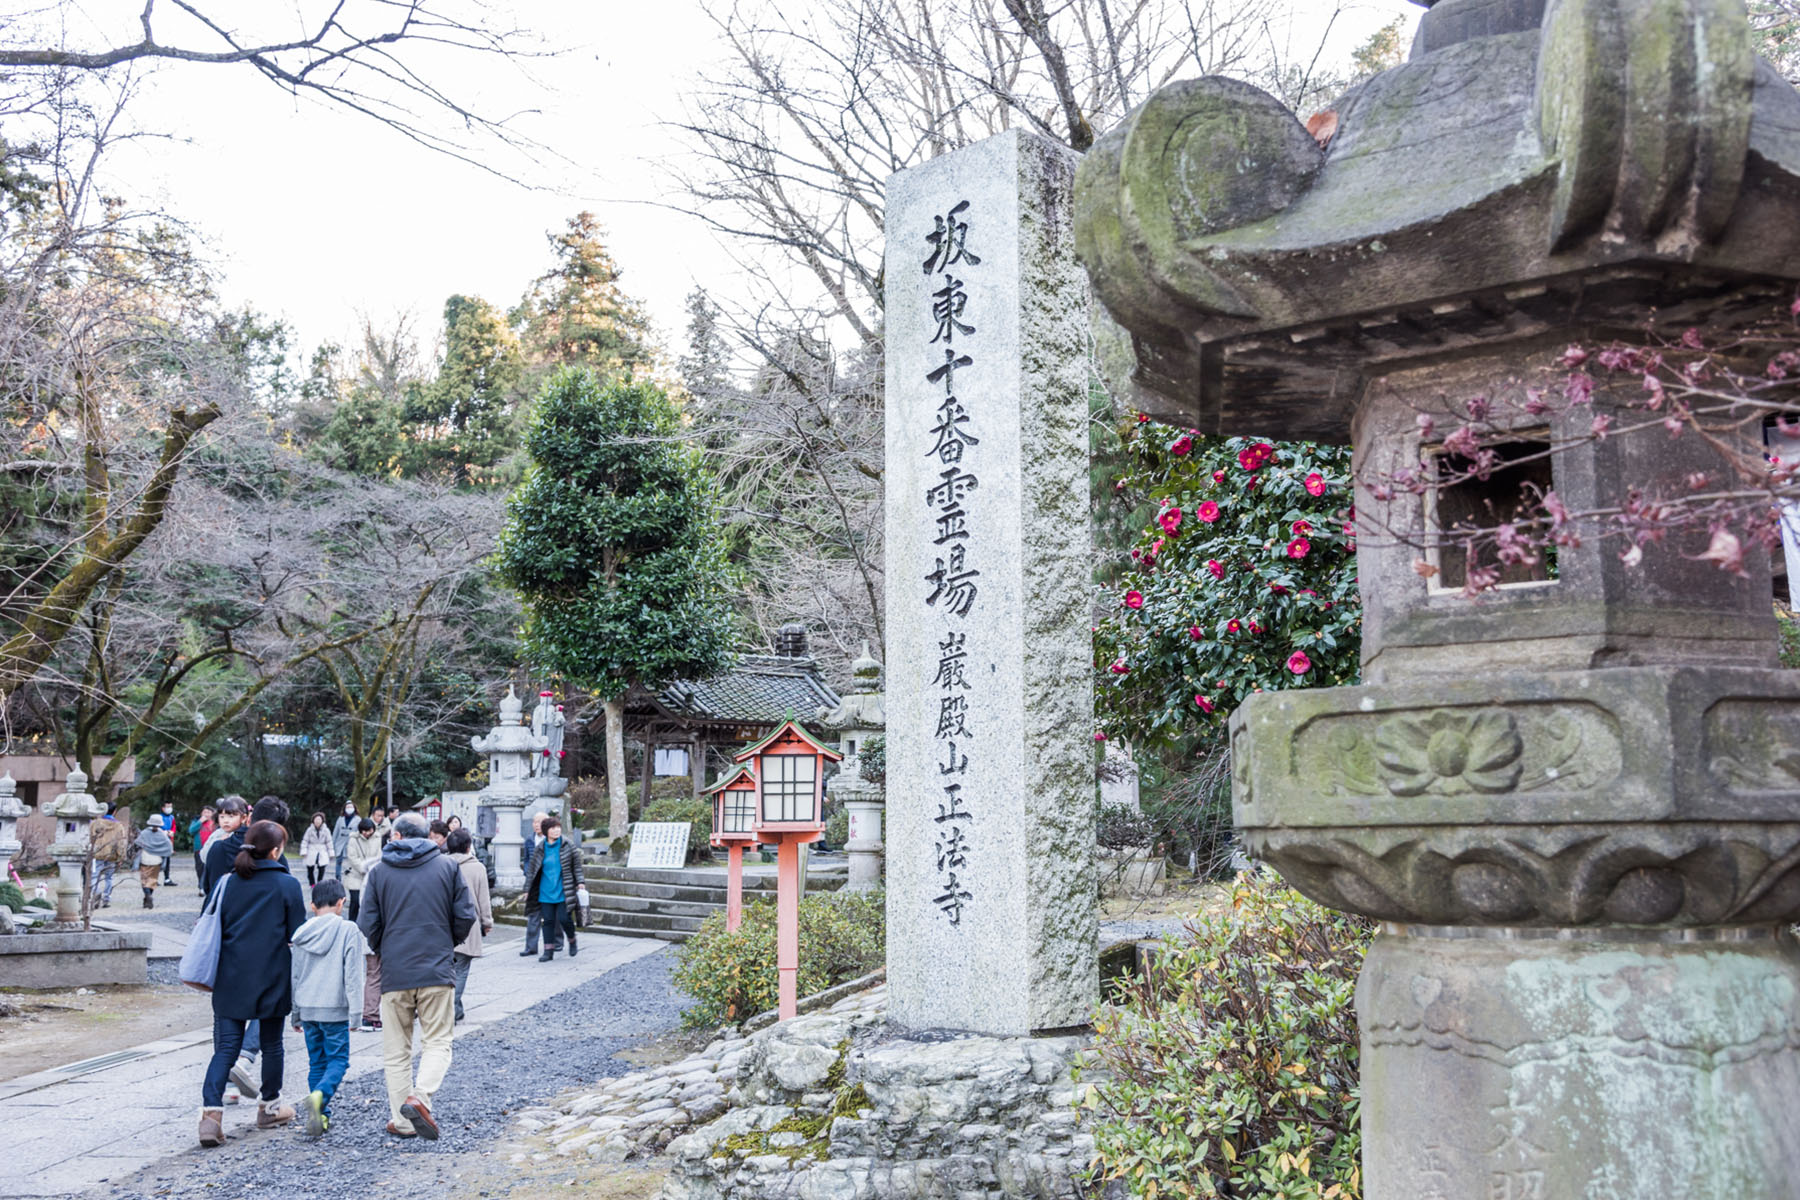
(76, 1126)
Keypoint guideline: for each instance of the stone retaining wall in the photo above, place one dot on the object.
(67, 960)
(841, 1106)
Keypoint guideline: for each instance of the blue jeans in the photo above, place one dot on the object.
(228, 1040)
(327, 1056)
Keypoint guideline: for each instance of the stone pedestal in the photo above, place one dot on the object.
(1597, 1065)
(864, 802)
(508, 842)
(990, 898)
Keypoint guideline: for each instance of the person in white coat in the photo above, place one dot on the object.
(316, 850)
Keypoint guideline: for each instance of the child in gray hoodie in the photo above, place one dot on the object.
(328, 986)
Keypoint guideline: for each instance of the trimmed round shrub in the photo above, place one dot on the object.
(732, 976)
(1232, 1070)
(11, 897)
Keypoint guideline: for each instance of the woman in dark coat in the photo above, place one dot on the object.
(259, 911)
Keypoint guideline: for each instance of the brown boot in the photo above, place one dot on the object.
(273, 1116)
(212, 1127)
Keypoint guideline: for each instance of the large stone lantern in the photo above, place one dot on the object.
(511, 748)
(11, 809)
(73, 811)
(1569, 804)
(860, 716)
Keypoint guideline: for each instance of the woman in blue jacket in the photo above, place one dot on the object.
(259, 911)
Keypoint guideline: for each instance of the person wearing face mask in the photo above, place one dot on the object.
(342, 830)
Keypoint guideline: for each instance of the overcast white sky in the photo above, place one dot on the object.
(318, 215)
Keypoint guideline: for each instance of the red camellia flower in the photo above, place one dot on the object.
(1181, 445)
(1298, 663)
(1255, 628)
(1277, 588)
(1302, 528)
(1232, 626)
(1253, 458)
(1218, 477)
(1099, 736)
(1208, 512)
(1134, 599)
(1143, 418)
(1205, 704)
(1170, 520)
(1298, 548)
(1216, 567)
(1194, 632)
(1315, 484)
(1119, 667)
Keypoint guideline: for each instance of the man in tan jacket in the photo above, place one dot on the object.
(458, 845)
(111, 849)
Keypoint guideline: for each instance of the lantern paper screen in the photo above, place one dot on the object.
(737, 809)
(788, 790)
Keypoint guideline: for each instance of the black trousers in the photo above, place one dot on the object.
(554, 920)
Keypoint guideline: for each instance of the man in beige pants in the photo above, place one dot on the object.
(415, 909)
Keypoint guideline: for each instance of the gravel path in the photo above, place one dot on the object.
(565, 1041)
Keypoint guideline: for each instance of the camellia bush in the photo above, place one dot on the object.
(732, 976)
(1242, 581)
(1232, 1071)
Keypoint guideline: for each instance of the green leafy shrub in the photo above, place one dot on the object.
(1233, 1068)
(732, 976)
(696, 811)
(11, 897)
(837, 827)
(873, 757)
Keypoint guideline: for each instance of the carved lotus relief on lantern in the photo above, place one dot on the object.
(1453, 752)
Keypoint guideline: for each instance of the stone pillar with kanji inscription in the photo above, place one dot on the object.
(1572, 803)
(990, 840)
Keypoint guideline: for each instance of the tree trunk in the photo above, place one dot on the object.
(618, 821)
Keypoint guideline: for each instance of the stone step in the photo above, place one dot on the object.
(615, 921)
(607, 902)
(697, 894)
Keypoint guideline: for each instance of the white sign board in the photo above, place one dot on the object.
(658, 844)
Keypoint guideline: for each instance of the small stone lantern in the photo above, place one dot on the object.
(733, 830)
(790, 777)
(858, 718)
(73, 810)
(510, 746)
(11, 809)
(1570, 804)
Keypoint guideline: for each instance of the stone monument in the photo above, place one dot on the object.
(511, 748)
(859, 717)
(990, 898)
(73, 810)
(11, 809)
(1584, 859)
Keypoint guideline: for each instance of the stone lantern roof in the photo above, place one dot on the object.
(864, 707)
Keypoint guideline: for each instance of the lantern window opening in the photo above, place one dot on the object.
(788, 788)
(740, 811)
(1459, 504)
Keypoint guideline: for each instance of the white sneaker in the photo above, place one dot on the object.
(245, 1080)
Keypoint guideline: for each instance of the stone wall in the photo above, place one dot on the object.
(842, 1106)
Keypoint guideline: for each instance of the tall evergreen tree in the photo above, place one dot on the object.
(611, 541)
(463, 420)
(577, 314)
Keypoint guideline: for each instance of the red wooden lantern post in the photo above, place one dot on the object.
(790, 778)
(734, 829)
